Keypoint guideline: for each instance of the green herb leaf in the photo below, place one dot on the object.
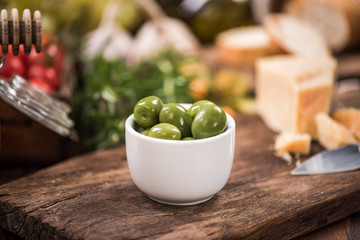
(111, 89)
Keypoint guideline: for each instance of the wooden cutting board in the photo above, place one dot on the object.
(93, 197)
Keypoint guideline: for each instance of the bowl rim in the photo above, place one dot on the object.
(230, 127)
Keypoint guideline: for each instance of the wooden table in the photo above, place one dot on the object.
(93, 197)
(347, 228)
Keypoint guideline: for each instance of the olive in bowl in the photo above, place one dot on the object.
(180, 172)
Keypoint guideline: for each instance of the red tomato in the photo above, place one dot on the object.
(41, 84)
(13, 65)
(52, 50)
(34, 58)
(37, 70)
(52, 78)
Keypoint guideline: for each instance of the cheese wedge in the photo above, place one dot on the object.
(332, 134)
(350, 118)
(293, 143)
(241, 46)
(291, 90)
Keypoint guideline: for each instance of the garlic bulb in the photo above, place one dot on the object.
(110, 40)
(161, 33)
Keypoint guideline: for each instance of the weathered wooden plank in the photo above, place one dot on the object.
(93, 197)
(348, 228)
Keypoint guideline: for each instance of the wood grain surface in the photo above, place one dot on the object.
(93, 197)
(348, 228)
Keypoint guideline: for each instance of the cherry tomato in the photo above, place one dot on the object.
(39, 58)
(13, 65)
(37, 70)
(35, 58)
(52, 78)
(41, 84)
(52, 50)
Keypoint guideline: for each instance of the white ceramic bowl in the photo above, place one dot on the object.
(180, 172)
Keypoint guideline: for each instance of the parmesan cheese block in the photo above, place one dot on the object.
(293, 142)
(332, 134)
(350, 118)
(296, 36)
(241, 46)
(291, 90)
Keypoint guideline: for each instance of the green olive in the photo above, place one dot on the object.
(146, 132)
(178, 116)
(193, 110)
(209, 121)
(146, 111)
(165, 131)
(187, 138)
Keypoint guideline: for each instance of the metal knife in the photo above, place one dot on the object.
(343, 159)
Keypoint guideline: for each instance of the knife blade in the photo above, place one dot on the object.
(342, 159)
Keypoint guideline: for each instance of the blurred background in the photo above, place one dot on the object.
(101, 57)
